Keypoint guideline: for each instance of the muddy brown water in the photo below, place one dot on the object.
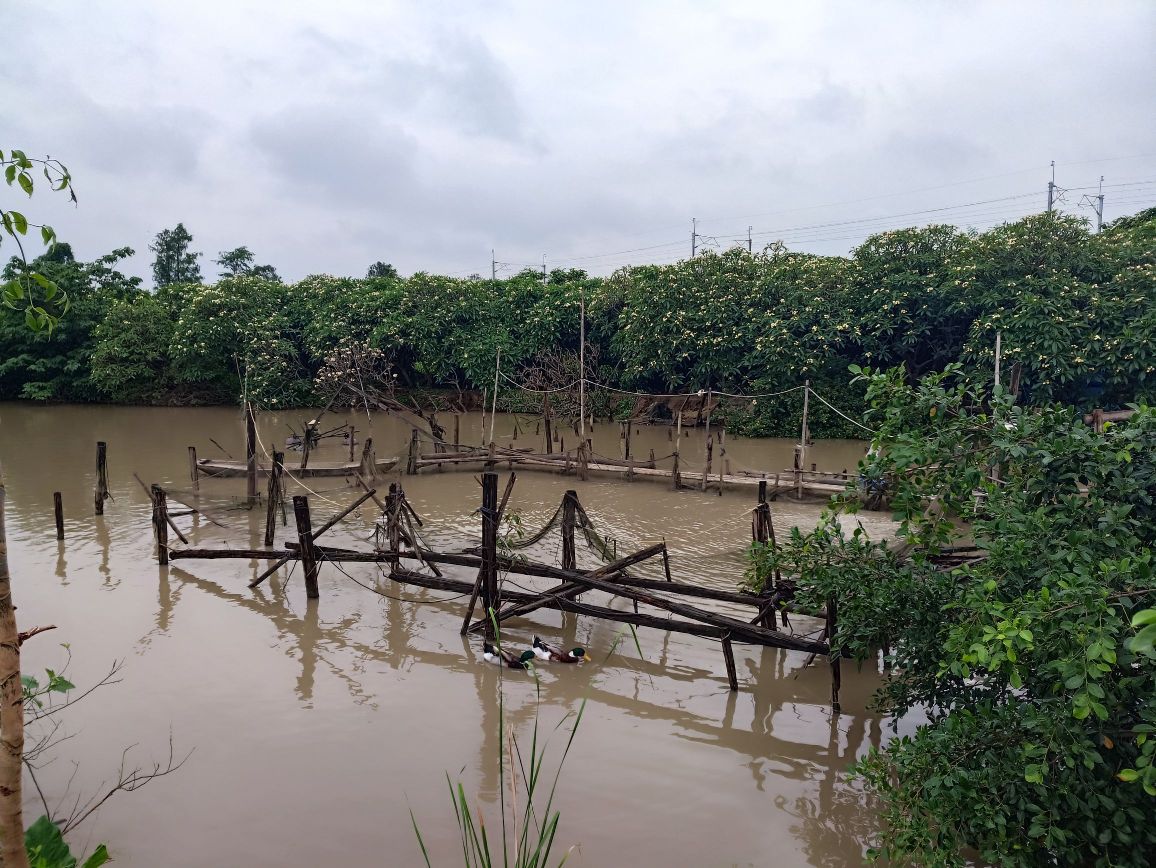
(315, 727)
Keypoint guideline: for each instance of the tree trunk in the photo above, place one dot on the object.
(12, 852)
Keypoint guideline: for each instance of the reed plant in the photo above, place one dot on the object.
(525, 841)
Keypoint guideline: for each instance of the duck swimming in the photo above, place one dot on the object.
(500, 655)
(544, 651)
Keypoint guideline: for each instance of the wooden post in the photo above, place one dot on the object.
(414, 451)
(651, 463)
(352, 437)
(489, 577)
(393, 525)
(194, 469)
(274, 495)
(368, 468)
(250, 455)
(101, 476)
(709, 444)
(804, 434)
(161, 524)
(629, 435)
(675, 481)
(1098, 420)
(729, 657)
(569, 510)
(307, 446)
(835, 653)
(724, 464)
(58, 504)
(707, 459)
(549, 425)
(305, 540)
(457, 430)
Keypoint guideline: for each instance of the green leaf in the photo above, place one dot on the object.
(43, 841)
(99, 857)
(1127, 774)
(10, 173)
(20, 222)
(25, 182)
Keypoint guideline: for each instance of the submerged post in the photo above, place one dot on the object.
(161, 524)
(250, 455)
(675, 481)
(101, 476)
(569, 511)
(489, 568)
(305, 541)
(58, 505)
(457, 430)
(274, 496)
(194, 469)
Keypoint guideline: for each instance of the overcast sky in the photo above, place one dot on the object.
(326, 136)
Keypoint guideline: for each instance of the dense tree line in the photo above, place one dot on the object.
(1074, 309)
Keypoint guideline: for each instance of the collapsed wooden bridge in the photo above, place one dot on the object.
(399, 545)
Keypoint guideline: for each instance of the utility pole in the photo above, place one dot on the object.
(1052, 188)
(1097, 204)
(693, 236)
(1100, 206)
(750, 248)
(543, 266)
(494, 262)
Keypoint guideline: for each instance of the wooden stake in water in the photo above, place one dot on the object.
(569, 511)
(273, 496)
(161, 524)
(306, 551)
(194, 469)
(489, 576)
(250, 455)
(101, 476)
(58, 504)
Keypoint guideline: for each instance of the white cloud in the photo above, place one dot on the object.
(327, 136)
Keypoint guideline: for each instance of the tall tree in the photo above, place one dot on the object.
(239, 262)
(174, 262)
(381, 269)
